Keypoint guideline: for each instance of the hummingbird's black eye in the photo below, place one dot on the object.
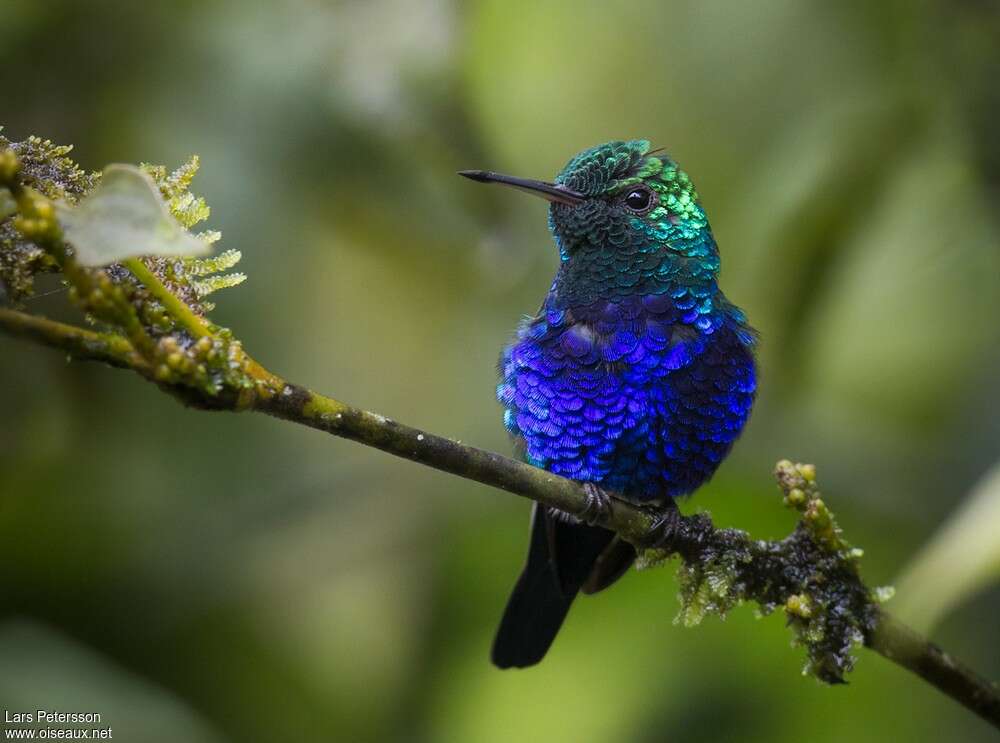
(639, 199)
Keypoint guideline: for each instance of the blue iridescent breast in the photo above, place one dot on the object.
(642, 394)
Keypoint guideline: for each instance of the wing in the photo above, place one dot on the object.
(703, 407)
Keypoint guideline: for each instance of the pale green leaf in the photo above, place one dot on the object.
(124, 217)
(961, 559)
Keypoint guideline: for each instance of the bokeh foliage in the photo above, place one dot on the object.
(210, 577)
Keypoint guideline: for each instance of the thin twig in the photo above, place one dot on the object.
(81, 344)
(899, 643)
(187, 318)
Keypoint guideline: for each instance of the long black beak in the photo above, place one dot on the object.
(548, 191)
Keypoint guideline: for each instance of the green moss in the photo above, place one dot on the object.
(47, 168)
(708, 587)
(156, 303)
(7, 204)
(811, 575)
(190, 278)
(43, 166)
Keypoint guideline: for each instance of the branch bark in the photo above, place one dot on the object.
(899, 643)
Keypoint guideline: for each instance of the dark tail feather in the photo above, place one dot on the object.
(561, 557)
(611, 565)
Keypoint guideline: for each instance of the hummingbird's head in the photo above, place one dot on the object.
(626, 220)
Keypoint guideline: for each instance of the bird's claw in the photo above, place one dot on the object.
(598, 506)
(664, 527)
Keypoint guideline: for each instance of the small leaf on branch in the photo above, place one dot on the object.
(124, 217)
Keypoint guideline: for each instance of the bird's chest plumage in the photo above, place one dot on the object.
(644, 394)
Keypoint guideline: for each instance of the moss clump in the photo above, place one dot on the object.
(137, 298)
(45, 168)
(211, 365)
(827, 604)
(812, 575)
(711, 585)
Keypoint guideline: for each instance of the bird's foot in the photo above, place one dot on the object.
(666, 522)
(598, 504)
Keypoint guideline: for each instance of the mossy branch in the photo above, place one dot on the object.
(811, 575)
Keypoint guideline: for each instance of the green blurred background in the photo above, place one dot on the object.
(211, 577)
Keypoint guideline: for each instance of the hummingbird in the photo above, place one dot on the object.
(634, 377)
